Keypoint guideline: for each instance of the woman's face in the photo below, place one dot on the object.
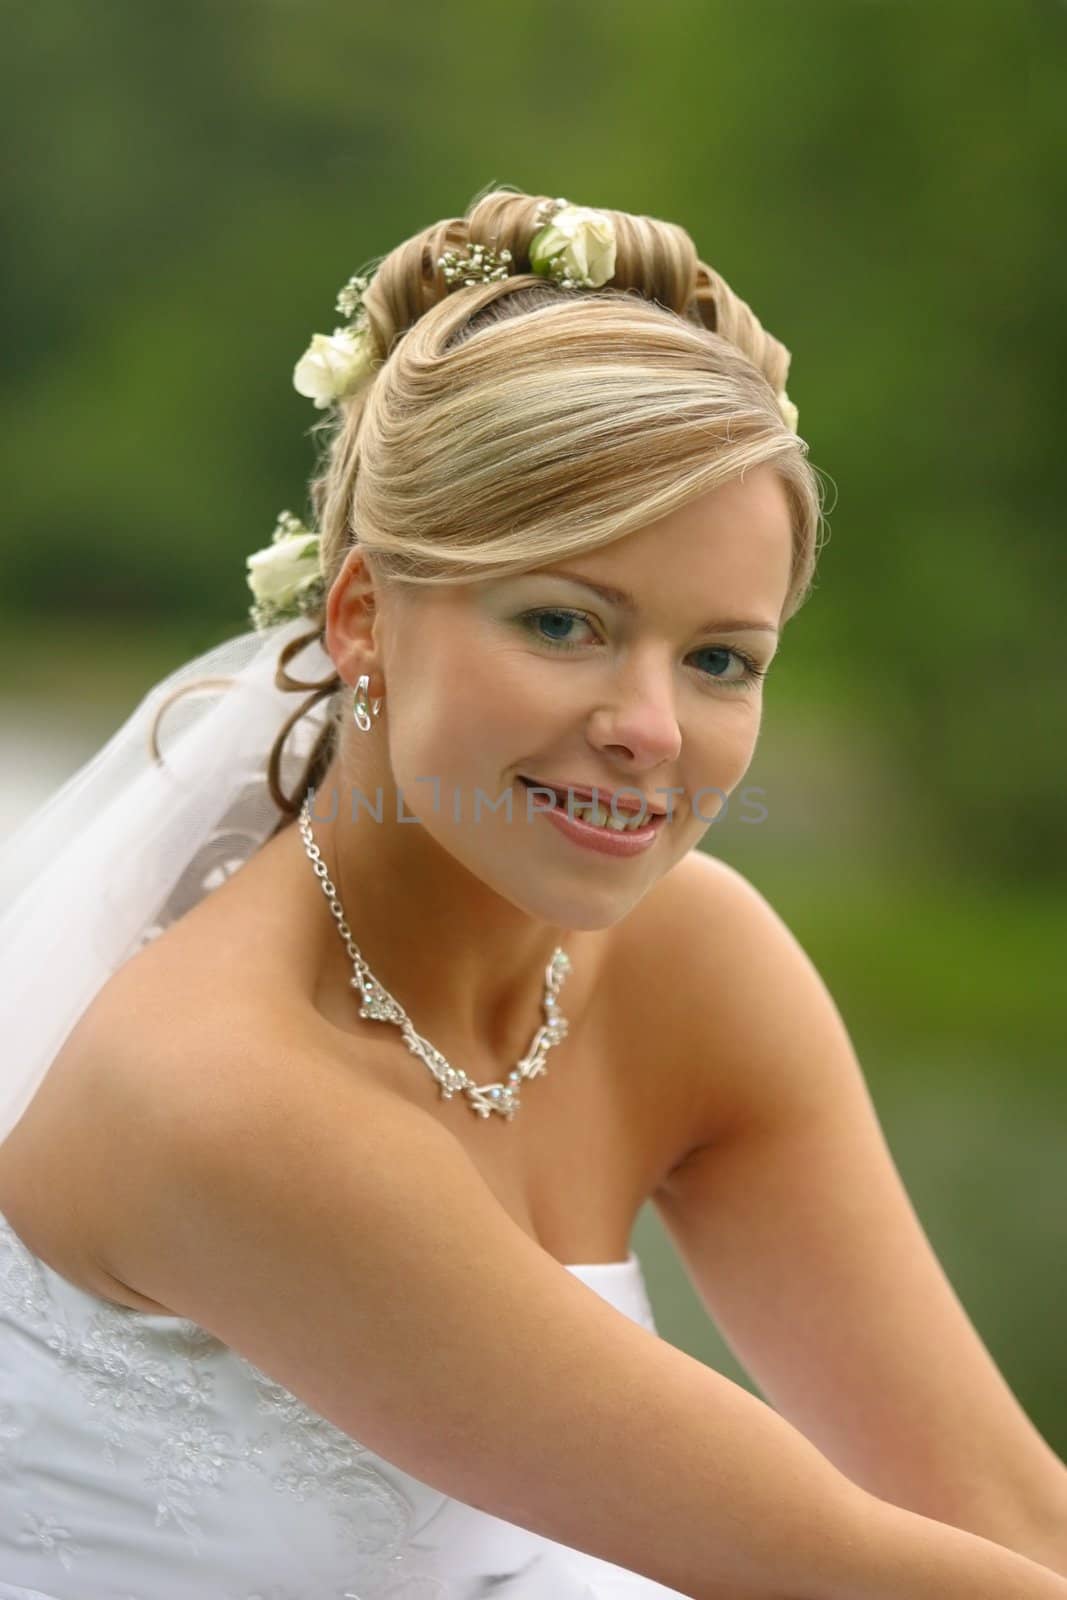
(540, 676)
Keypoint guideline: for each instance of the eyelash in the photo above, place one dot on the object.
(753, 671)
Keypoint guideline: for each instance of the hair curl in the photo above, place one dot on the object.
(511, 424)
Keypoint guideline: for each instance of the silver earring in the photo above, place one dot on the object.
(359, 705)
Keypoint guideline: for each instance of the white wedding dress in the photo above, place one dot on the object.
(143, 1459)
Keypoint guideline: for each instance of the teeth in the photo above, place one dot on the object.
(602, 818)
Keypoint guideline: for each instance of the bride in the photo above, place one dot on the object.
(364, 986)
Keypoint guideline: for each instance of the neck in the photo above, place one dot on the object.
(466, 965)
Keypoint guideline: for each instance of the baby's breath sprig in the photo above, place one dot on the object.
(289, 526)
(547, 209)
(350, 297)
(481, 264)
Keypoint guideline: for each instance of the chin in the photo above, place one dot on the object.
(580, 911)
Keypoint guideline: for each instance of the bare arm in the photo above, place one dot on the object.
(344, 1243)
(806, 1250)
(914, 1555)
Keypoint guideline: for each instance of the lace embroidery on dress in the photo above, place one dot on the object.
(128, 1386)
(312, 1457)
(404, 1589)
(52, 1536)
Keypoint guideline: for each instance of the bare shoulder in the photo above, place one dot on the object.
(160, 1077)
(682, 912)
(749, 1014)
(71, 1170)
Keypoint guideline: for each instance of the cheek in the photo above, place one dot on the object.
(458, 736)
(739, 741)
(722, 750)
(488, 699)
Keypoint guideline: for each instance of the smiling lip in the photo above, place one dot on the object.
(621, 843)
(624, 803)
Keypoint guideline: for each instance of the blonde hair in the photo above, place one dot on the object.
(511, 424)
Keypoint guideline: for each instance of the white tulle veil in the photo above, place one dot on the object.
(130, 842)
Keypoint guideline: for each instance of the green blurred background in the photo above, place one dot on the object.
(187, 188)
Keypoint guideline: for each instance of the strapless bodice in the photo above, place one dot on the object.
(143, 1459)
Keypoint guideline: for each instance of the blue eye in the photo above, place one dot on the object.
(751, 673)
(567, 617)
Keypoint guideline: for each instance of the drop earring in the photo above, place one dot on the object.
(359, 705)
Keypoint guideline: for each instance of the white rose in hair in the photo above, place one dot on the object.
(332, 366)
(578, 244)
(789, 411)
(277, 573)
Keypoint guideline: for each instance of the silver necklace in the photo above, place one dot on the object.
(380, 1006)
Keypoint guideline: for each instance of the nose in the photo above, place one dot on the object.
(640, 722)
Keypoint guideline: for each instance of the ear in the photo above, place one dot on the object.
(351, 616)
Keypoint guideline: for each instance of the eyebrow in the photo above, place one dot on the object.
(626, 602)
